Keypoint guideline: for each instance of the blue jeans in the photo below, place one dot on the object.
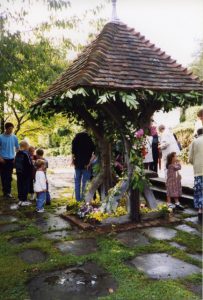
(41, 198)
(83, 175)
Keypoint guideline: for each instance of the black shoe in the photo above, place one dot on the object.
(179, 206)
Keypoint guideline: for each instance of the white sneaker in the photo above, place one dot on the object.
(40, 210)
(171, 205)
(19, 203)
(26, 203)
(32, 197)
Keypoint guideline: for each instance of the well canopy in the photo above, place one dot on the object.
(122, 59)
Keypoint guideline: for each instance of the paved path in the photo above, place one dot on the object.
(84, 279)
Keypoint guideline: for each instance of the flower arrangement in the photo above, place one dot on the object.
(73, 205)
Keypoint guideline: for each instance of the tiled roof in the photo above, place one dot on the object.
(122, 59)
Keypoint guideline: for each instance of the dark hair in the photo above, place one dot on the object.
(200, 113)
(40, 152)
(200, 131)
(169, 158)
(8, 125)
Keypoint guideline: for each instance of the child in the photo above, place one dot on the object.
(40, 155)
(33, 158)
(24, 167)
(173, 181)
(40, 185)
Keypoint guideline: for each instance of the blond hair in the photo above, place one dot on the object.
(39, 163)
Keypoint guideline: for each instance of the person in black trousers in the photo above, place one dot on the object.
(8, 146)
(24, 172)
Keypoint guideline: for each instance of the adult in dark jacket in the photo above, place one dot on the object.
(82, 150)
(24, 172)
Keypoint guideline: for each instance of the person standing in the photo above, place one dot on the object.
(173, 181)
(40, 185)
(8, 145)
(82, 151)
(167, 144)
(148, 157)
(196, 159)
(24, 171)
(199, 121)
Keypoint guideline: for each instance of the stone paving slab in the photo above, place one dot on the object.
(21, 240)
(57, 235)
(181, 247)
(78, 247)
(10, 227)
(160, 233)
(196, 256)
(51, 222)
(188, 229)
(163, 266)
(132, 238)
(192, 220)
(32, 256)
(8, 218)
(87, 282)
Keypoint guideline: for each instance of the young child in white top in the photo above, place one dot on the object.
(40, 185)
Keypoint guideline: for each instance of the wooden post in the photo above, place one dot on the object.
(135, 205)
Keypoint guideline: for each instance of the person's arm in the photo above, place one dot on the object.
(16, 144)
(177, 166)
(165, 142)
(191, 153)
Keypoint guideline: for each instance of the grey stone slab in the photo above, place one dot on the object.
(8, 218)
(181, 247)
(78, 247)
(160, 233)
(163, 266)
(87, 282)
(190, 211)
(196, 289)
(10, 227)
(21, 240)
(188, 229)
(32, 256)
(192, 220)
(132, 238)
(196, 256)
(50, 222)
(57, 235)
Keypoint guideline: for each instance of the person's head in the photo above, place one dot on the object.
(171, 159)
(200, 131)
(9, 128)
(200, 114)
(39, 153)
(24, 145)
(161, 128)
(40, 164)
(32, 150)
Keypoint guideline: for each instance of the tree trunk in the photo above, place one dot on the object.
(2, 119)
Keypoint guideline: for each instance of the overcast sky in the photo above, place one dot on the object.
(176, 26)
